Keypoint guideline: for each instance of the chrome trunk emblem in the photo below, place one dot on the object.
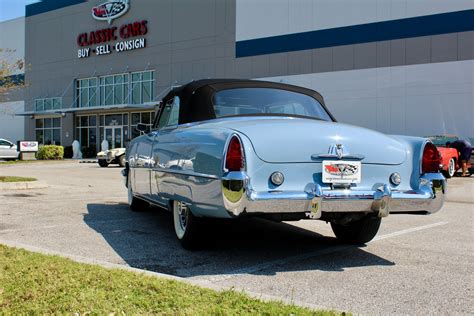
(339, 151)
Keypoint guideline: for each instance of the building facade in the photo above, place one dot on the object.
(12, 43)
(97, 68)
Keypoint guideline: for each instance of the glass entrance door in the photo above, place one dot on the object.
(113, 135)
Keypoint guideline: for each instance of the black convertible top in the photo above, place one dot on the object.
(196, 96)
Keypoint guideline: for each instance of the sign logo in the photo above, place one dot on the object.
(28, 146)
(341, 169)
(110, 10)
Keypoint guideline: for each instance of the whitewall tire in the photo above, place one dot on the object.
(186, 226)
(451, 168)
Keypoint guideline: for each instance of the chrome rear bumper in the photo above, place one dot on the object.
(240, 198)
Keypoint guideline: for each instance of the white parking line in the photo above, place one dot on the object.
(409, 230)
(266, 265)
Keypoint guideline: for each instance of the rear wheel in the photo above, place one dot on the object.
(135, 203)
(357, 232)
(186, 226)
(103, 163)
(451, 168)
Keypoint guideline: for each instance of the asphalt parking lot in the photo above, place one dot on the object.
(417, 264)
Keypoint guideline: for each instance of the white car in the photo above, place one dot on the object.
(111, 156)
(8, 150)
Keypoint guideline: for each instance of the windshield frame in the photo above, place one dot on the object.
(316, 101)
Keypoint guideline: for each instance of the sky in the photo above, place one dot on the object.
(11, 9)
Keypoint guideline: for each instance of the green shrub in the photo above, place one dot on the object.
(50, 152)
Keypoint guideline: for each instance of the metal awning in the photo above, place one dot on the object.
(143, 106)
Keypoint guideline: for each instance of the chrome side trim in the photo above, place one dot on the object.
(150, 201)
(185, 173)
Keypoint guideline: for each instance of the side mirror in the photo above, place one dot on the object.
(11, 145)
(141, 127)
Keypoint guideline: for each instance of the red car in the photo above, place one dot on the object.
(449, 156)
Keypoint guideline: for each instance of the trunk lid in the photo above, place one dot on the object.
(299, 140)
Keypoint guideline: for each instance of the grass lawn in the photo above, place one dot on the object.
(15, 179)
(40, 284)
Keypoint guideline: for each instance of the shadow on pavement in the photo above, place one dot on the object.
(147, 241)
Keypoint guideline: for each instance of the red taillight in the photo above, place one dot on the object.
(431, 159)
(234, 159)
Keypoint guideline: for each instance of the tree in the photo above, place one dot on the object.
(9, 73)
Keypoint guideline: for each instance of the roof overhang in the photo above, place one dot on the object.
(62, 112)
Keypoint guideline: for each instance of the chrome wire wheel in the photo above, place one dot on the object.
(181, 218)
(451, 167)
(188, 228)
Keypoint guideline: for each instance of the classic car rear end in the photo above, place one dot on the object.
(316, 180)
(274, 151)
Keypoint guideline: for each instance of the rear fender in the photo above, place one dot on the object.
(415, 147)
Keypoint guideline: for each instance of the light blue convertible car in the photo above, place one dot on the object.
(228, 148)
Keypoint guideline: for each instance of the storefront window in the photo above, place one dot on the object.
(48, 131)
(142, 87)
(113, 89)
(142, 117)
(113, 120)
(135, 88)
(86, 132)
(47, 104)
(87, 92)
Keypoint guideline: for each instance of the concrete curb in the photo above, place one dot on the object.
(26, 185)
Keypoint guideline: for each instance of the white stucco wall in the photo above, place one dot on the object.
(264, 18)
(12, 127)
(12, 36)
(417, 100)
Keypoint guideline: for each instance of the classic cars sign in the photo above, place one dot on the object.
(28, 146)
(110, 10)
(129, 34)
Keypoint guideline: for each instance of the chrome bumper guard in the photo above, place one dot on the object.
(239, 198)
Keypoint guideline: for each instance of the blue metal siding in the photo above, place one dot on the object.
(435, 24)
(49, 5)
